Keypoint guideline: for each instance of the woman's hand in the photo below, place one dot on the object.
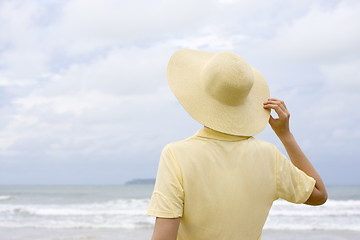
(279, 125)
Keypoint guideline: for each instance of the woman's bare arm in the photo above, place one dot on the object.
(297, 157)
(166, 228)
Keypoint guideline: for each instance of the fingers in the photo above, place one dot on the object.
(278, 101)
(279, 107)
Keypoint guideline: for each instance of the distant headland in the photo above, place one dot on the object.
(141, 181)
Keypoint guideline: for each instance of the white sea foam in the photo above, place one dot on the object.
(335, 208)
(123, 213)
(333, 215)
(329, 202)
(118, 207)
(5, 197)
(131, 213)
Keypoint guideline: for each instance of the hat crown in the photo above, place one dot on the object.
(228, 78)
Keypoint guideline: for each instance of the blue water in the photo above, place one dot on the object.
(124, 206)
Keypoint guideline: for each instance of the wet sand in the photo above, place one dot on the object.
(145, 234)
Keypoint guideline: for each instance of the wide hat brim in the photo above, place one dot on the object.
(246, 119)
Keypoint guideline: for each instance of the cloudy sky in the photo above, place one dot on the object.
(84, 97)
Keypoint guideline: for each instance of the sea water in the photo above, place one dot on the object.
(124, 207)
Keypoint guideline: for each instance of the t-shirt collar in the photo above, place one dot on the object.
(212, 134)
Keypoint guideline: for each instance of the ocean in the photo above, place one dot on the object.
(119, 212)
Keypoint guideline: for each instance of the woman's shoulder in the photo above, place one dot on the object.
(262, 143)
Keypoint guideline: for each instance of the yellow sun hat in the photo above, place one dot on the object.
(220, 90)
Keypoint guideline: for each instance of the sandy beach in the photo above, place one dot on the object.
(143, 234)
(310, 235)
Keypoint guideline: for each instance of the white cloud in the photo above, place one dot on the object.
(87, 124)
(91, 25)
(214, 41)
(6, 82)
(121, 71)
(344, 76)
(75, 104)
(325, 34)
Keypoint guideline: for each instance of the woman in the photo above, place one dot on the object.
(221, 182)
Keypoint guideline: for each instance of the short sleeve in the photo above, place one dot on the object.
(292, 184)
(167, 200)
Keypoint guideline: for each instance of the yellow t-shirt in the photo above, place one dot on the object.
(223, 186)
